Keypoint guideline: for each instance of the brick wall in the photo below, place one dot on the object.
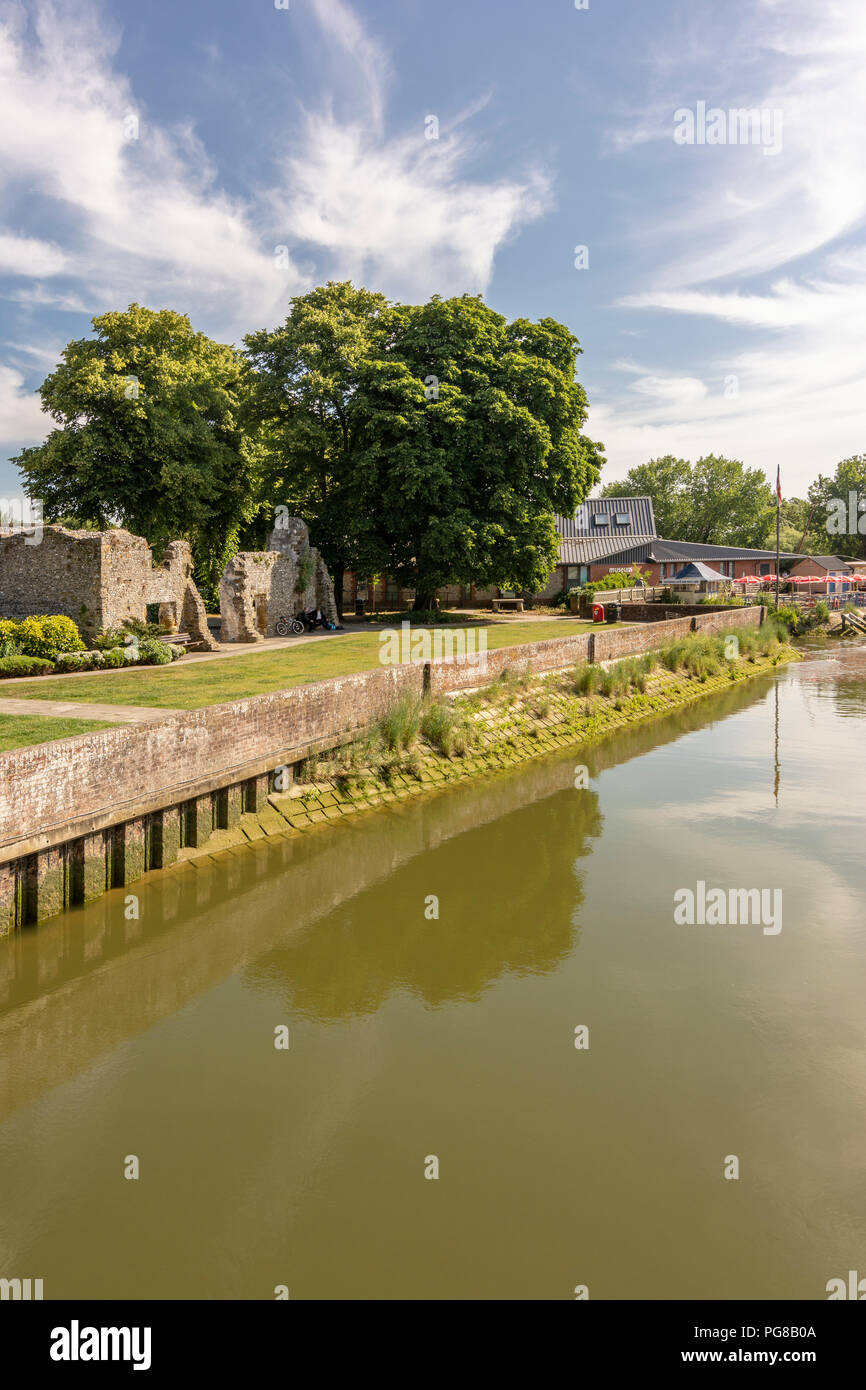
(660, 612)
(128, 769)
(532, 657)
(73, 787)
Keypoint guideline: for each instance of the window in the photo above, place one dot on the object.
(622, 518)
(600, 519)
(765, 569)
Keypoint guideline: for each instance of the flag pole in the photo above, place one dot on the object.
(778, 524)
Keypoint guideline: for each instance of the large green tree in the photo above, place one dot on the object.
(667, 481)
(472, 443)
(840, 509)
(798, 529)
(307, 376)
(148, 435)
(716, 500)
(434, 443)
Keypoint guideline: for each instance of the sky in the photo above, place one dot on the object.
(571, 158)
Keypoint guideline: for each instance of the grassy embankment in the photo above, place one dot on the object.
(194, 684)
(422, 744)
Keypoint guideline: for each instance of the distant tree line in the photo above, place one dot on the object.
(719, 500)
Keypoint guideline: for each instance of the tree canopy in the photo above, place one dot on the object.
(148, 435)
(840, 509)
(434, 443)
(715, 500)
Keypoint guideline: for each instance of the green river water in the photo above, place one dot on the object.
(412, 1037)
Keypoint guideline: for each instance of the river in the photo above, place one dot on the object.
(144, 1028)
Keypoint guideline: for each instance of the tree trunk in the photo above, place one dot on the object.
(425, 601)
(337, 578)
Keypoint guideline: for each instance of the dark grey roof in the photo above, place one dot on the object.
(639, 510)
(591, 548)
(829, 562)
(657, 549)
(582, 540)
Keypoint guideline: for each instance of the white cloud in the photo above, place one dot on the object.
(397, 212)
(28, 256)
(147, 218)
(730, 249)
(21, 415)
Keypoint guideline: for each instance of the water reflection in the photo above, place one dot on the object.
(454, 1036)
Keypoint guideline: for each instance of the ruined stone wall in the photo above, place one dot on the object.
(125, 574)
(245, 578)
(60, 574)
(271, 578)
(99, 579)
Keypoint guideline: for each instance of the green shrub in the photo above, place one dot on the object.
(141, 629)
(587, 679)
(48, 636)
(114, 657)
(10, 643)
(673, 655)
(399, 725)
(608, 581)
(789, 616)
(152, 652)
(821, 611)
(176, 650)
(306, 570)
(80, 661)
(437, 726)
(24, 666)
(111, 638)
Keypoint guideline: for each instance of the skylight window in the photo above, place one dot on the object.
(622, 518)
(600, 519)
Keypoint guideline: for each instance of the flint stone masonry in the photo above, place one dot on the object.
(100, 579)
(83, 814)
(260, 586)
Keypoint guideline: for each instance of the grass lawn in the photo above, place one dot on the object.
(214, 682)
(18, 730)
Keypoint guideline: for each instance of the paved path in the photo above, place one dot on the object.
(77, 709)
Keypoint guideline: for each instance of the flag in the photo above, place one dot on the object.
(778, 486)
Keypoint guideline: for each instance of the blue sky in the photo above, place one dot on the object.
(723, 308)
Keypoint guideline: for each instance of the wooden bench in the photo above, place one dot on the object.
(510, 605)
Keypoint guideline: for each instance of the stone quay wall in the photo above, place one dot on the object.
(81, 815)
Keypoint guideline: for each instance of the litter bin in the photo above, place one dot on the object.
(598, 612)
(612, 612)
(359, 607)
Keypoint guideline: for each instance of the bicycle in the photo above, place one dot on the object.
(285, 627)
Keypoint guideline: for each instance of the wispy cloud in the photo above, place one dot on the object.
(768, 248)
(21, 417)
(132, 209)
